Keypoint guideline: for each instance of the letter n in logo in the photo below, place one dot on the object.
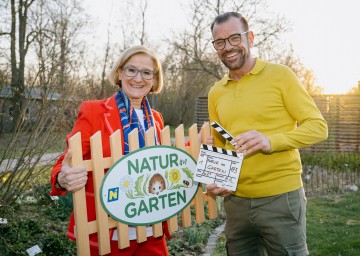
(113, 194)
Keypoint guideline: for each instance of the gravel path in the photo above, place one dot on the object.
(213, 239)
(46, 159)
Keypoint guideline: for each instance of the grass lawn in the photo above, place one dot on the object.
(333, 226)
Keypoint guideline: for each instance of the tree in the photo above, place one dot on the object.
(355, 90)
(20, 41)
(35, 132)
(69, 23)
(129, 25)
(305, 75)
(194, 66)
(103, 74)
(185, 83)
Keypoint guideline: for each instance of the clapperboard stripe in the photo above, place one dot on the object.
(222, 131)
(226, 135)
(220, 150)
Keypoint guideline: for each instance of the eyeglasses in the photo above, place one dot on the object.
(234, 39)
(145, 73)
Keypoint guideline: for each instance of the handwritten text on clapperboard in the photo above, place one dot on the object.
(218, 165)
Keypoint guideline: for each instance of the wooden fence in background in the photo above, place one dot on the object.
(98, 163)
(342, 113)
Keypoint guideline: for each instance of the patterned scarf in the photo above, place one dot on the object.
(130, 120)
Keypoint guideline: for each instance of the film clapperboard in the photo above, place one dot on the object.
(219, 165)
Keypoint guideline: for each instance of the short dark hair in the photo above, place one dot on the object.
(226, 16)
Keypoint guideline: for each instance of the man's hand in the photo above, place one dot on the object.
(71, 178)
(214, 189)
(250, 142)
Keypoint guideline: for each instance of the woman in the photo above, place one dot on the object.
(137, 72)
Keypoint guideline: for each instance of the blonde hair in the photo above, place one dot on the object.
(126, 55)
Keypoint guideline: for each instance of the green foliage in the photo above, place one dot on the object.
(36, 220)
(66, 201)
(61, 209)
(329, 173)
(331, 161)
(41, 193)
(17, 236)
(220, 246)
(29, 225)
(192, 240)
(196, 235)
(57, 244)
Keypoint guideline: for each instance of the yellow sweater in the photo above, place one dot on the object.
(271, 100)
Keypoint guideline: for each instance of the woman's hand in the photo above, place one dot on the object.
(71, 178)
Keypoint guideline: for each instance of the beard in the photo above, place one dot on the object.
(235, 64)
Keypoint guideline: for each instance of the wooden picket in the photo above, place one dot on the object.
(79, 200)
(97, 164)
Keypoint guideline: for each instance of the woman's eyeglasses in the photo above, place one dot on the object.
(145, 73)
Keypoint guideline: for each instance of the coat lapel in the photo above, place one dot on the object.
(111, 115)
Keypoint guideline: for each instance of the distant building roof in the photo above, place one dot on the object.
(33, 93)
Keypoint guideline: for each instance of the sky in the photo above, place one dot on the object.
(325, 34)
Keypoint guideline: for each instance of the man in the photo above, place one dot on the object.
(271, 115)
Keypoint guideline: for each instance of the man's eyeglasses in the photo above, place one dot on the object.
(145, 73)
(234, 39)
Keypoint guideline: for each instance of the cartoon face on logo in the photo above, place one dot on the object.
(157, 184)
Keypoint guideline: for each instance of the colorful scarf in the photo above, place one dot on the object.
(130, 120)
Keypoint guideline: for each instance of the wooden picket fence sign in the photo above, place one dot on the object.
(98, 163)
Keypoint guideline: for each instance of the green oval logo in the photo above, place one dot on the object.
(149, 185)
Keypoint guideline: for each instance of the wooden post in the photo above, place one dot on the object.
(195, 150)
(98, 175)
(134, 145)
(211, 198)
(116, 153)
(150, 141)
(79, 200)
(166, 140)
(180, 143)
